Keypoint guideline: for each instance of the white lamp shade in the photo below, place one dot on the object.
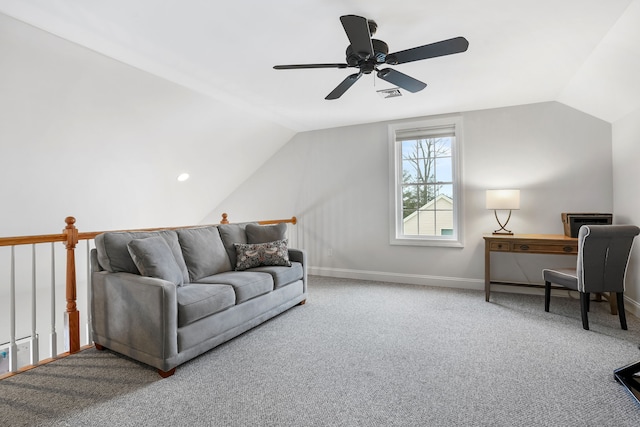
(503, 199)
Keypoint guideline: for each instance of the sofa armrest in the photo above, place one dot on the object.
(136, 312)
(300, 255)
(95, 265)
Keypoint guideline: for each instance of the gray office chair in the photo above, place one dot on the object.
(603, 255)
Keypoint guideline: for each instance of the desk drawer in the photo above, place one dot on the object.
(553, 248)
(499, 246)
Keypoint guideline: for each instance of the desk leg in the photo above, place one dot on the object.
(487, 272)
(611, 299)
(613, 303)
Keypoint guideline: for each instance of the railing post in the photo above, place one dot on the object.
(72, 316)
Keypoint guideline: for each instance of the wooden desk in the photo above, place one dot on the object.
(558, 244)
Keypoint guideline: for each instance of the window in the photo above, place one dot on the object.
(425, 182)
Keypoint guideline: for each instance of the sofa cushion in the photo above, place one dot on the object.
(251, 255)
(230, 234)
(282, 276)
(246, 284)
(203, 252)
(114, 257)
(196, 301)
(265, 233)
(153, 258)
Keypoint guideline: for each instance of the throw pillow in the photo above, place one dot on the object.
(251, 255)
(265, 233)
(203, 251)
(154, 258)
(114, 256)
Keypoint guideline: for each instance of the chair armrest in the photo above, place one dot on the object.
(137, 312)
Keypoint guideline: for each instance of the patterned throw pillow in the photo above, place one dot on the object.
(251, 255)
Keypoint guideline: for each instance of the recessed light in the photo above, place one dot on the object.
(183, 177)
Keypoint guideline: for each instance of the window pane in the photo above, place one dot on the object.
(427, 223)
(444, 172)
(444, 221)
(409, 172)
(417, 169)
(443, 146)
(408, 149)
(410, 201)
(410, 223)
(425, 196)
(446, 190)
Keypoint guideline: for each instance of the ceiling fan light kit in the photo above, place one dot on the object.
(368, 54)
(389, 93)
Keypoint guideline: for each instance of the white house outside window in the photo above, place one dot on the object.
(425, 187)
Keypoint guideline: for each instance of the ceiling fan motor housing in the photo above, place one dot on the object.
(373, 26)
(367, 64)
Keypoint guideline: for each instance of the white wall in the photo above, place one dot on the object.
(84, 135)
(87, 136)
(336, 182)
(626, 197)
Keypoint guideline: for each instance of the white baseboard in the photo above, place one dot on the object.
(630, 306)
(411, 279)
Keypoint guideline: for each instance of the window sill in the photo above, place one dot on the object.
(445, 243)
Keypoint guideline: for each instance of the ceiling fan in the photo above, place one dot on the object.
(367, 54)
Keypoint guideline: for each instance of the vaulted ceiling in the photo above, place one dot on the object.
(583, 53)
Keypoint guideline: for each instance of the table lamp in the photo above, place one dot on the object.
(503, 200)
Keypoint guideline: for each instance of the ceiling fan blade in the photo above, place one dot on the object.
(402, 80)
(342, 87)
(357, 29)
(298, 66)
(444, 47)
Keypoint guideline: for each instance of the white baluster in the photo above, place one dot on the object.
(13, 348)
(53, 337)
(88, 309)
(33, 341)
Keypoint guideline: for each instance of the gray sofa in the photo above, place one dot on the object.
(164, 297)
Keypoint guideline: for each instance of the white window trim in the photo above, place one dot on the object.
(395, 177)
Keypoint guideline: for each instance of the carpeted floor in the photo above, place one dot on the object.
(362, 354)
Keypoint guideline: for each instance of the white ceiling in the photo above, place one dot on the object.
(583, 53)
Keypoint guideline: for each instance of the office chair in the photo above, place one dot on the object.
(603, 255)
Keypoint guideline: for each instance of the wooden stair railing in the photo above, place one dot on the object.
(70, 236)
(293, 220)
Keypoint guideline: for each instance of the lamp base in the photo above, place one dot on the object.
(502, 229)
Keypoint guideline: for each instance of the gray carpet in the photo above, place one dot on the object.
(362, 354)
